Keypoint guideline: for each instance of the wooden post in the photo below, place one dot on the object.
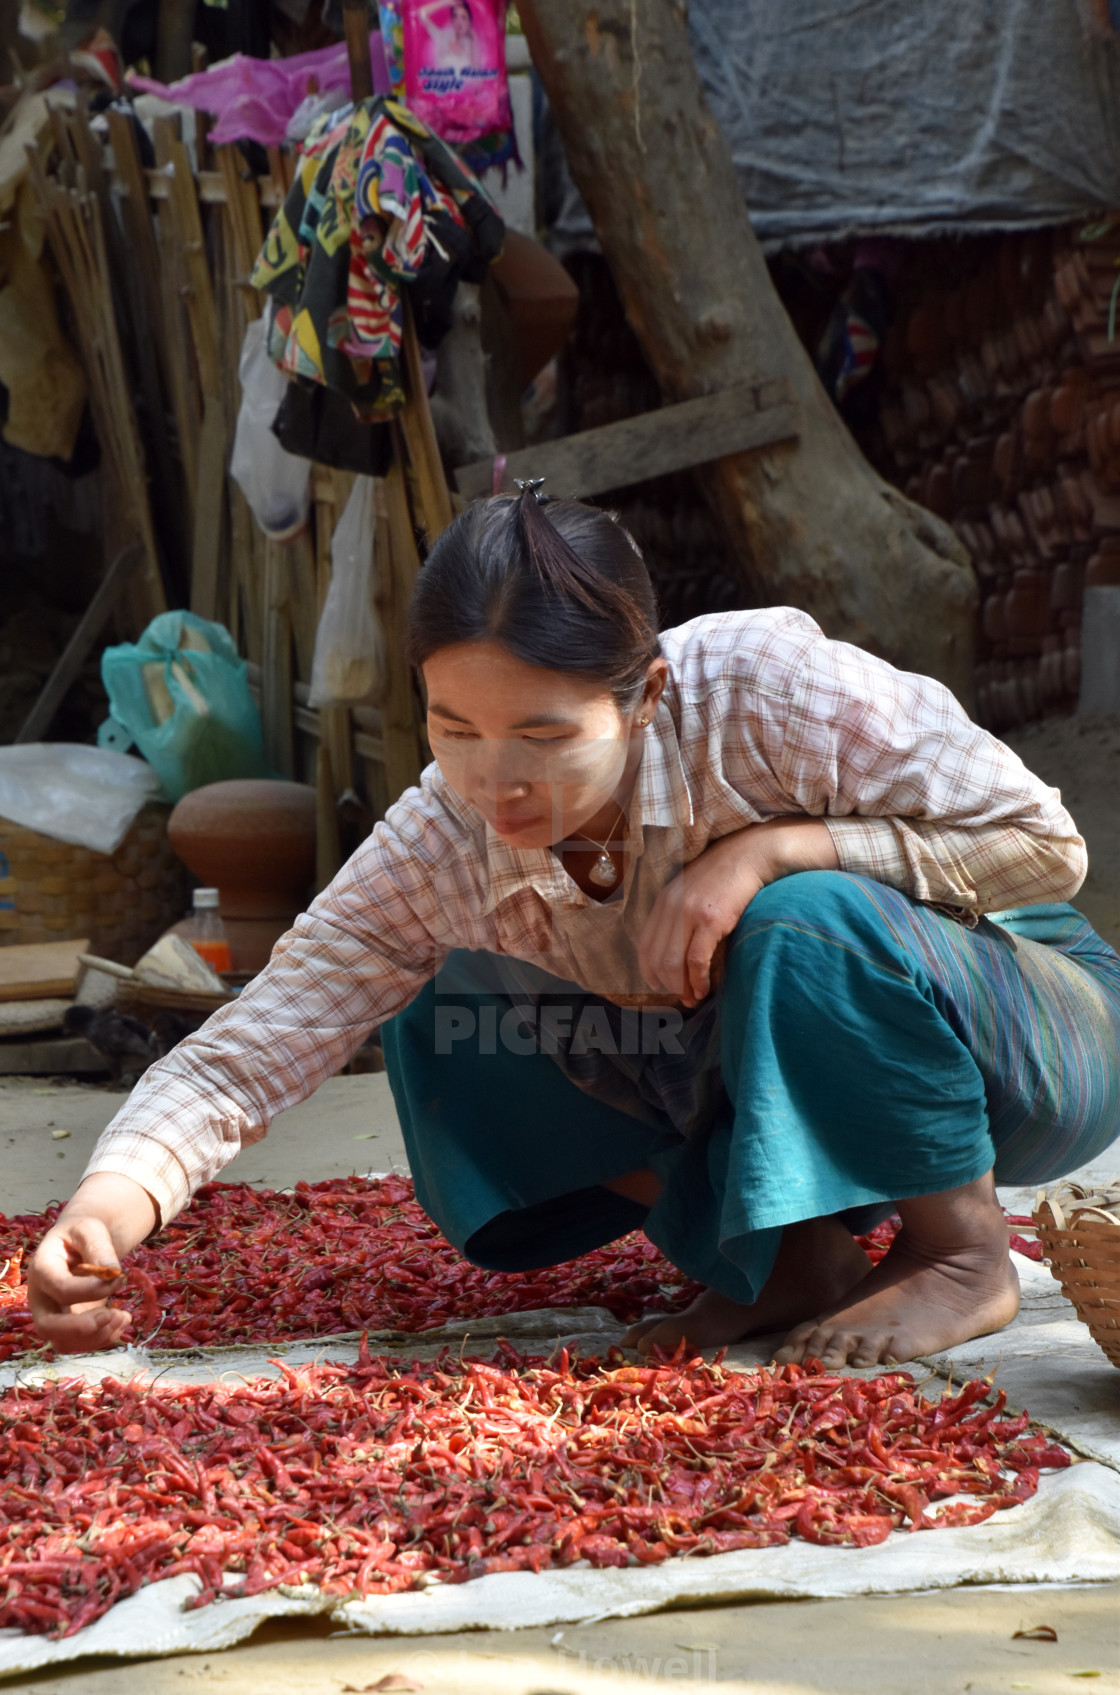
(355, 19)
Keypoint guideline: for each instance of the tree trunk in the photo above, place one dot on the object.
(809, 522)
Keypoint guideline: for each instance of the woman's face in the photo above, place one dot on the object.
(539, 753)
(461, 22)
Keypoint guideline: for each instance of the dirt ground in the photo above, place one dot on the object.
(938, 1644)
(1081, 756)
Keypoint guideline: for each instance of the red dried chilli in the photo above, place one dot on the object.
(244, 1265)
(388, 1476)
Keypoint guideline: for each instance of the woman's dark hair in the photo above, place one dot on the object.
(558, 584)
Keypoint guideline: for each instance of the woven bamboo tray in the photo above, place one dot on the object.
(51, 891)
(1083, 1249)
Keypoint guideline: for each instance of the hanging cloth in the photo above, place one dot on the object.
(378, 204)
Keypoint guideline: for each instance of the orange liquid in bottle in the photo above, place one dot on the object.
(216, 954)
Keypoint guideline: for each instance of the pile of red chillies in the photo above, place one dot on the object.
(243, 1266)
(387, 1476)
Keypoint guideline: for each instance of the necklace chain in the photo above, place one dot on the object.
(604, 872)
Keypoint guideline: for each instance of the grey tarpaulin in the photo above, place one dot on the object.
(852, 116)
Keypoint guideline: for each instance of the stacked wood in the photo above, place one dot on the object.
(1001, 413)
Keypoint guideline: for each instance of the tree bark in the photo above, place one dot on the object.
(810, 523)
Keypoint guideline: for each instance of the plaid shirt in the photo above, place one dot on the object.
(761, 717)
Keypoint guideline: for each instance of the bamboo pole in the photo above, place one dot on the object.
(209, 491)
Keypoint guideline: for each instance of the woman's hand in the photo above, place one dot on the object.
(705, 901)
(106, 1219)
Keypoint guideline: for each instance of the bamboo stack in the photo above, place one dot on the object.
(156, 266)
(76, 230)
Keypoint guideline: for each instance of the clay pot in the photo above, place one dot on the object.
(254, 841)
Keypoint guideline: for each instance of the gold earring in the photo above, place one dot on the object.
(643, 722)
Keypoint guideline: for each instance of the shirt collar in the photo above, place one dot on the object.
(661, 798)
(661, 794)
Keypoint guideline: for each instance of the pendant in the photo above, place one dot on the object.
(604, 872)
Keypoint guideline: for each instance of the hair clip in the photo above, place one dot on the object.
(529, 485)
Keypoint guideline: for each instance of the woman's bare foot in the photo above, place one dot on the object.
(948, 1277)
(818, 1263)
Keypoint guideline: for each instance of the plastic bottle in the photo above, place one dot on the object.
(206, 933)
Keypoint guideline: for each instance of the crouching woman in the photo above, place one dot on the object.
(734, 934)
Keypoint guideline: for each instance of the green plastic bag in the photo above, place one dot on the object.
(181, 693)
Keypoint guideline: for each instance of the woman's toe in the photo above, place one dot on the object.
(869, 1350)
(640, 1336)
(796, 1346)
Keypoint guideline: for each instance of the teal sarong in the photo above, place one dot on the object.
(867, 1049)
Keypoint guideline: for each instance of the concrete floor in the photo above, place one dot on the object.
(934, 1644)
(349, 1125)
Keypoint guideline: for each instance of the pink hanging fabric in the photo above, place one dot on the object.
(254, 99)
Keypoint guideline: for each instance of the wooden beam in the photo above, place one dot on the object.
(92, 623)
(674, 438)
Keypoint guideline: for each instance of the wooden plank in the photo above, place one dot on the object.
(209, 492)
(303, 601)
(328, 847)
(398, 564)
(243, 211)
(33, 971)
(199, 286)
(150, 329)
(180, 367)
(77, 648)
(336, 733)
(276, 665)
(209, 510)
(674, 438)
(420, 437)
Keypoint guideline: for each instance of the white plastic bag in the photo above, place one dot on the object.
(349, 661)
(79, 794)
(274, 482)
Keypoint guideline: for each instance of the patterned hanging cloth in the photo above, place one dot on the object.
(378, 205)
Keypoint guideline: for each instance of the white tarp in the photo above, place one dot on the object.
(1069, 1533)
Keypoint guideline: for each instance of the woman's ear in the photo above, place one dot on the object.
(656, 678)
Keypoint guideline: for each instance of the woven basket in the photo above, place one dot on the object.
(1084, 1255)
(51, 891)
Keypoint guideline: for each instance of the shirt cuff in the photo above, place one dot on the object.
(148, 1163)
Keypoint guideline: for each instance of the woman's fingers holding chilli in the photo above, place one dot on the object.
(78, 1330)
(70, 1306)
